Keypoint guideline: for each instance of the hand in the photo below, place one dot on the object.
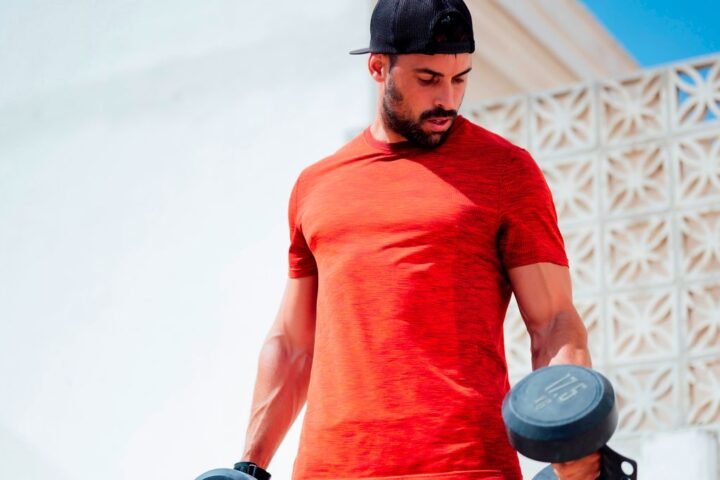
(586, 468)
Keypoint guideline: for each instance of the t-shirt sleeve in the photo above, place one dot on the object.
(301, 262)
(529, 231)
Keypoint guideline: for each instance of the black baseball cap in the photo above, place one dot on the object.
(409, 26)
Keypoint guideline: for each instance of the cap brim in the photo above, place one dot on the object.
(360, 51)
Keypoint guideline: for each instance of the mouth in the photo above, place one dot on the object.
(439, 124)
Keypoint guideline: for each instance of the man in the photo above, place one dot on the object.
(406, 245)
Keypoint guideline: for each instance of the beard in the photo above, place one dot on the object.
(408, 127)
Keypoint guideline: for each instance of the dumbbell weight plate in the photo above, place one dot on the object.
(224, 474)
(614, 467)
(560, 413)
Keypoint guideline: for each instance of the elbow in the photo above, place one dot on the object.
(279, 351)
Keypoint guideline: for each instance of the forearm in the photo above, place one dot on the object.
(280, 392)
(562, 341)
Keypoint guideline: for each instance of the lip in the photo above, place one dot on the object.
(438, 124)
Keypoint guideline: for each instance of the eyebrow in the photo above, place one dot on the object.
(438, 74)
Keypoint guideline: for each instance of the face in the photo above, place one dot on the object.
(421, 95)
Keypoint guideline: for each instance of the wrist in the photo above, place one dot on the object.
(253, 469)
(256, 454)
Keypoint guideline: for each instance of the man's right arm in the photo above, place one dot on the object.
(283, 371)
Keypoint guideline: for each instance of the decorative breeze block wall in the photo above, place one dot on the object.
(634, 166)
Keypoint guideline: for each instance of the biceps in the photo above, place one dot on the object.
(295, 320)
(542, 291)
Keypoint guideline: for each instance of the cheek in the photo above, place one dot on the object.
(416, 102)
(422, 100)
(413, 94)
(460, 93)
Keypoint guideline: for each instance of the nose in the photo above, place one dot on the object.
(444, 96)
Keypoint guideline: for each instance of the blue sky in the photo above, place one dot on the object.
(661, 31)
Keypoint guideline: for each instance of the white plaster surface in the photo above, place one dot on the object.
(691, 454)
(147, 150)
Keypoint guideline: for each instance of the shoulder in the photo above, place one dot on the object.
(480, 137)
(331, 162)
(507, 157)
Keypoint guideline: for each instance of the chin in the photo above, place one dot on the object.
(436, 136)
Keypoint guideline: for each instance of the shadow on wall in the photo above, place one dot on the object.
(23, 453)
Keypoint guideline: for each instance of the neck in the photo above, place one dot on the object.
(381, 132)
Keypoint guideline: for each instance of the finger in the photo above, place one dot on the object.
(581, 469)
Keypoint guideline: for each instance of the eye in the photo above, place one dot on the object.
(459, 80)
(427, 81)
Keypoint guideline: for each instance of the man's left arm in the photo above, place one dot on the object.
(557, 335)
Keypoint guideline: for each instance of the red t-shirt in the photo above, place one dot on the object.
(411, 248)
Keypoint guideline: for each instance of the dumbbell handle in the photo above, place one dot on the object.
(611, 467)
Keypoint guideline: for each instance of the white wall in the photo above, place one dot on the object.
(147, 150)
(634, 164)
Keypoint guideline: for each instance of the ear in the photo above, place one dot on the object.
(378, 66)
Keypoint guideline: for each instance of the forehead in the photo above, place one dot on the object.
(443, 63)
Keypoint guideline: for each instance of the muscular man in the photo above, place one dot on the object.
(406, 245)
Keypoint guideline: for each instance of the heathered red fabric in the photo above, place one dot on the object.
(412, 249)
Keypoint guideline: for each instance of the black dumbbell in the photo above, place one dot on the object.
(563, 413)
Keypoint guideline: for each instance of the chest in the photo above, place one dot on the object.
(376, 205)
